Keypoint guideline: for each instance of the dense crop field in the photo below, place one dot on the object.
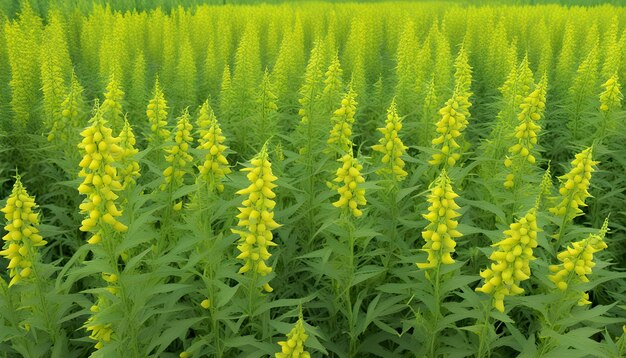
(312, 179)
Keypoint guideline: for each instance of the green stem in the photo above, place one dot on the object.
(392, 245)
(45, 307)
(110, 247)
(432, 347)
(484, 344)
(348, 300)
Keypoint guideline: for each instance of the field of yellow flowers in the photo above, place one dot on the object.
(312, 179)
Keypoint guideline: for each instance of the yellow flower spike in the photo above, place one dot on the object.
(157, 116)
(294, 345)
(611, 97)
(256, 218)
(177, 154)
(574, 186)
(112, 105)
(391, 146)
(577, 262)
(64, 128)
(101, 179)
(453, 121)
(184, 354)
(532, 111)
(350, 180)
(215, 166)
(343, 120)
(441, 231)
(511, 260)
(101, 333)
(129, 167)
(22, 233)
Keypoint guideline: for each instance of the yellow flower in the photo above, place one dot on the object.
(511, 260)
(611, 97)
(112, 106)
(22, 233)
(391, 146)
(294, 345)
(215, 166)
(441, 230)
(157, 116)
(577, 262)
(574, 186)
(101, 179)
(256, 218)
(178, 154)
(453, 121)
(69, 119)
(184, 354)
(526, 132)
(351, 194)
(343, 119)
(100, 332)
(205, 304)
(129, 167)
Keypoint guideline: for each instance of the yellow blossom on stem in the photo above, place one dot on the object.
(157, 116)
(441, 230)
(256, 218)
(100, 332)
(391, 146)
(453, 121)
(22, 235)
(293, 347)
(343, 119)
(101, 179)
(215, 166)
(351, 194)
(526, 132)
(112, 105)
(574, 186)
(611, 97)
(178, 155)
(577, 262)
(129, 166)
(511, 260)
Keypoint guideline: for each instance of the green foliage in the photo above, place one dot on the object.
(520, 267)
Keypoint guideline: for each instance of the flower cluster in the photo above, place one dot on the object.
(63, 128)
(352, 195)
(343, 119)
(215, 166)
(112, 106)
(577, 262)
(333, 83)
(129, 166)
(22, 233)
(441, 230)
(611, 97)
(101, 179)
(463, 72)
(511, 260)
(178, 154)
(449, 127)
(100, 332)
(575, 185)
(293, 347)
(256, 218)
(391, 146)
(526, 132)
(157, 116)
